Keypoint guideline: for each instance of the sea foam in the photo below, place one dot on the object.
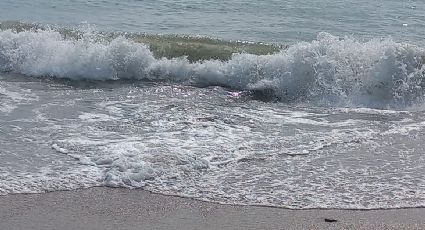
(329, 70)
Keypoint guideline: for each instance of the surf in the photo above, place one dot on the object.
(329, 70)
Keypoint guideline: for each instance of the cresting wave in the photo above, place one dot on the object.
(329, 70)
(194, 48)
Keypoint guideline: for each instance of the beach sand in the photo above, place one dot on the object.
(113, 208)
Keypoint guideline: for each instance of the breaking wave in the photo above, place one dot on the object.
(329, 70)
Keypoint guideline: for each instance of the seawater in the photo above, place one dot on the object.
(297, 104)
(264, 21)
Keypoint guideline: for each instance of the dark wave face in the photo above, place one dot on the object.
(329, 70)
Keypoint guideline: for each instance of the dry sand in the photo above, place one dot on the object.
(108, 208)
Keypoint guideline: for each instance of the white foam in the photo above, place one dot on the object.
(405, 128)
(12, 95)
(238, 156)
(329, 70)
(91, 117)
(59, 149)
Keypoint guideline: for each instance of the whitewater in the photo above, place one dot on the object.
(333, 120)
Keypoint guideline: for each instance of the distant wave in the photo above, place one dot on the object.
(329, 70)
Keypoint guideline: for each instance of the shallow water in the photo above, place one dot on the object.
(332, 122)
(203, 143)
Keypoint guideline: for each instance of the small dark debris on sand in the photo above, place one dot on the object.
(330, 220)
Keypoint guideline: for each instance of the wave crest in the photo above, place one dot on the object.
(329, 70)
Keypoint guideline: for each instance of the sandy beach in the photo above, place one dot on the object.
(109, 208)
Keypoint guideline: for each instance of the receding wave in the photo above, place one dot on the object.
(329, 70)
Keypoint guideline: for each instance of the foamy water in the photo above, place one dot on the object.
(334, 121)
(330, 70)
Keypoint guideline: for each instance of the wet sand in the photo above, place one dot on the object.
(109, 208)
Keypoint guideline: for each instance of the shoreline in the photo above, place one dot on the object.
(119, 208)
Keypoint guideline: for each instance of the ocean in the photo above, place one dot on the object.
(296, 104)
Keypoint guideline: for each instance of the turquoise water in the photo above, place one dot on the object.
(267, 21)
